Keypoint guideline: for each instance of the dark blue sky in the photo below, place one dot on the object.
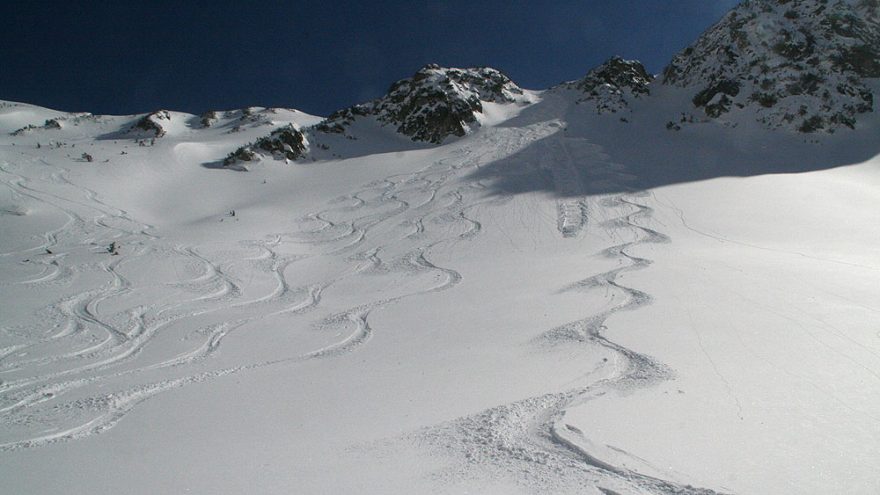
(120, 57)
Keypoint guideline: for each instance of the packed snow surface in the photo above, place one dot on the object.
(546, 305)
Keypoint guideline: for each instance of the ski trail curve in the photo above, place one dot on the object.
(529, 439)
(112, 344)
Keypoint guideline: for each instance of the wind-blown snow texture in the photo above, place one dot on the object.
(463, 286)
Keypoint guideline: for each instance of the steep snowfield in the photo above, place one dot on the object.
(541, 306)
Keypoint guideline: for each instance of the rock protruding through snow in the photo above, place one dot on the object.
(284, 143)
(612, 85)
(151, 125)
(796, 64)
(433, 104)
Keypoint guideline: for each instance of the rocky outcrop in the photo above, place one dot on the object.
(151, 125)
(50, 124)
(208, 119)
(869, 10)
(434, 104)
(284, 143)
(796, 64)
(613, 85)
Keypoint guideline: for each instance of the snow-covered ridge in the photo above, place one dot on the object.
(796, 64)
(612, 85)
(21, 119)
(802, 65)
(433, 104)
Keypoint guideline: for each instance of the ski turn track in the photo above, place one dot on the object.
(101, 347)
(528, 441)
(111, 341)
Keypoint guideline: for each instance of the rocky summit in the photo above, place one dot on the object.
(612, 85)
(797, 64)
(433, 104)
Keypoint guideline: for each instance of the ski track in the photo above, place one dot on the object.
(528, 440)
(81, 315)
(387, 228)
(55, 395)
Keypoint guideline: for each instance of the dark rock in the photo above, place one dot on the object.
(612, 85)
(207, 119)
(284, 143)
(152, 123)
(50, 124)
(773, 57)
(434, 104)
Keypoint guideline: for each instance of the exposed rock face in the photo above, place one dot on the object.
(612, 85)
(869, 10)
(796, 64)
(284, 143)
(151, 124)
(208, 119)
(432, 105)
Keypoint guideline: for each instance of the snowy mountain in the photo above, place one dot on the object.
(796, 64)
(433, 104)
(612, 85)
(463, 286)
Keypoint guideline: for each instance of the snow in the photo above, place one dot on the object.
(545, 305)
(768, 323)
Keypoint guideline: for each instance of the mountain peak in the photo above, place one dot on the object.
(612, 84)
(434, 104)
(798, 64)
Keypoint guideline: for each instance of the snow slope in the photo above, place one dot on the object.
(541, 304)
